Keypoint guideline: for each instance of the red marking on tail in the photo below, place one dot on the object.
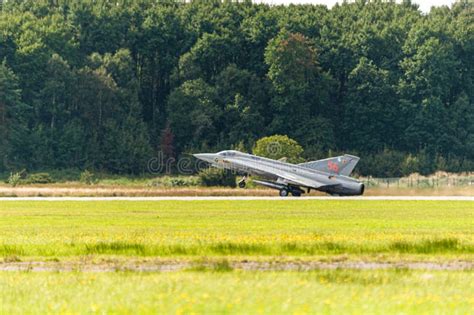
(333, 167)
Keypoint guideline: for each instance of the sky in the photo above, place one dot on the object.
(425, 5)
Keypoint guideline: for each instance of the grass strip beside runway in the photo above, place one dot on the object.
(234, 292)
(44, 230)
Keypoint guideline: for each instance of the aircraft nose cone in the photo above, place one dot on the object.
(208, 157)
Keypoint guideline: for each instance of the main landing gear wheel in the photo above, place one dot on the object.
(283, 192)
(296, 193)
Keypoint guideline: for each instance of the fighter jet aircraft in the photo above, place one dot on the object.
(328, 175)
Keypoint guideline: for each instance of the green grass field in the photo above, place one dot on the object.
(185, 229)
(337, 291)
(101, 232)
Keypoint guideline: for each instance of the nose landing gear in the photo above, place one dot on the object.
(242, 182)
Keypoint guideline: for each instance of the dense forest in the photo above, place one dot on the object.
(106, 85)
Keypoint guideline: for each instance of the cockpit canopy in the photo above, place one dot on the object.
(229, 153)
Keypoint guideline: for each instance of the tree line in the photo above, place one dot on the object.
(106, 85)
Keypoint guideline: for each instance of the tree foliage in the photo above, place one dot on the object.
(278, 147)
(106, 85)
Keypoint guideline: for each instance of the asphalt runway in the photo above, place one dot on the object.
(276, 198)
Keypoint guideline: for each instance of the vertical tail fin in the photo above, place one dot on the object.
(341, 165)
